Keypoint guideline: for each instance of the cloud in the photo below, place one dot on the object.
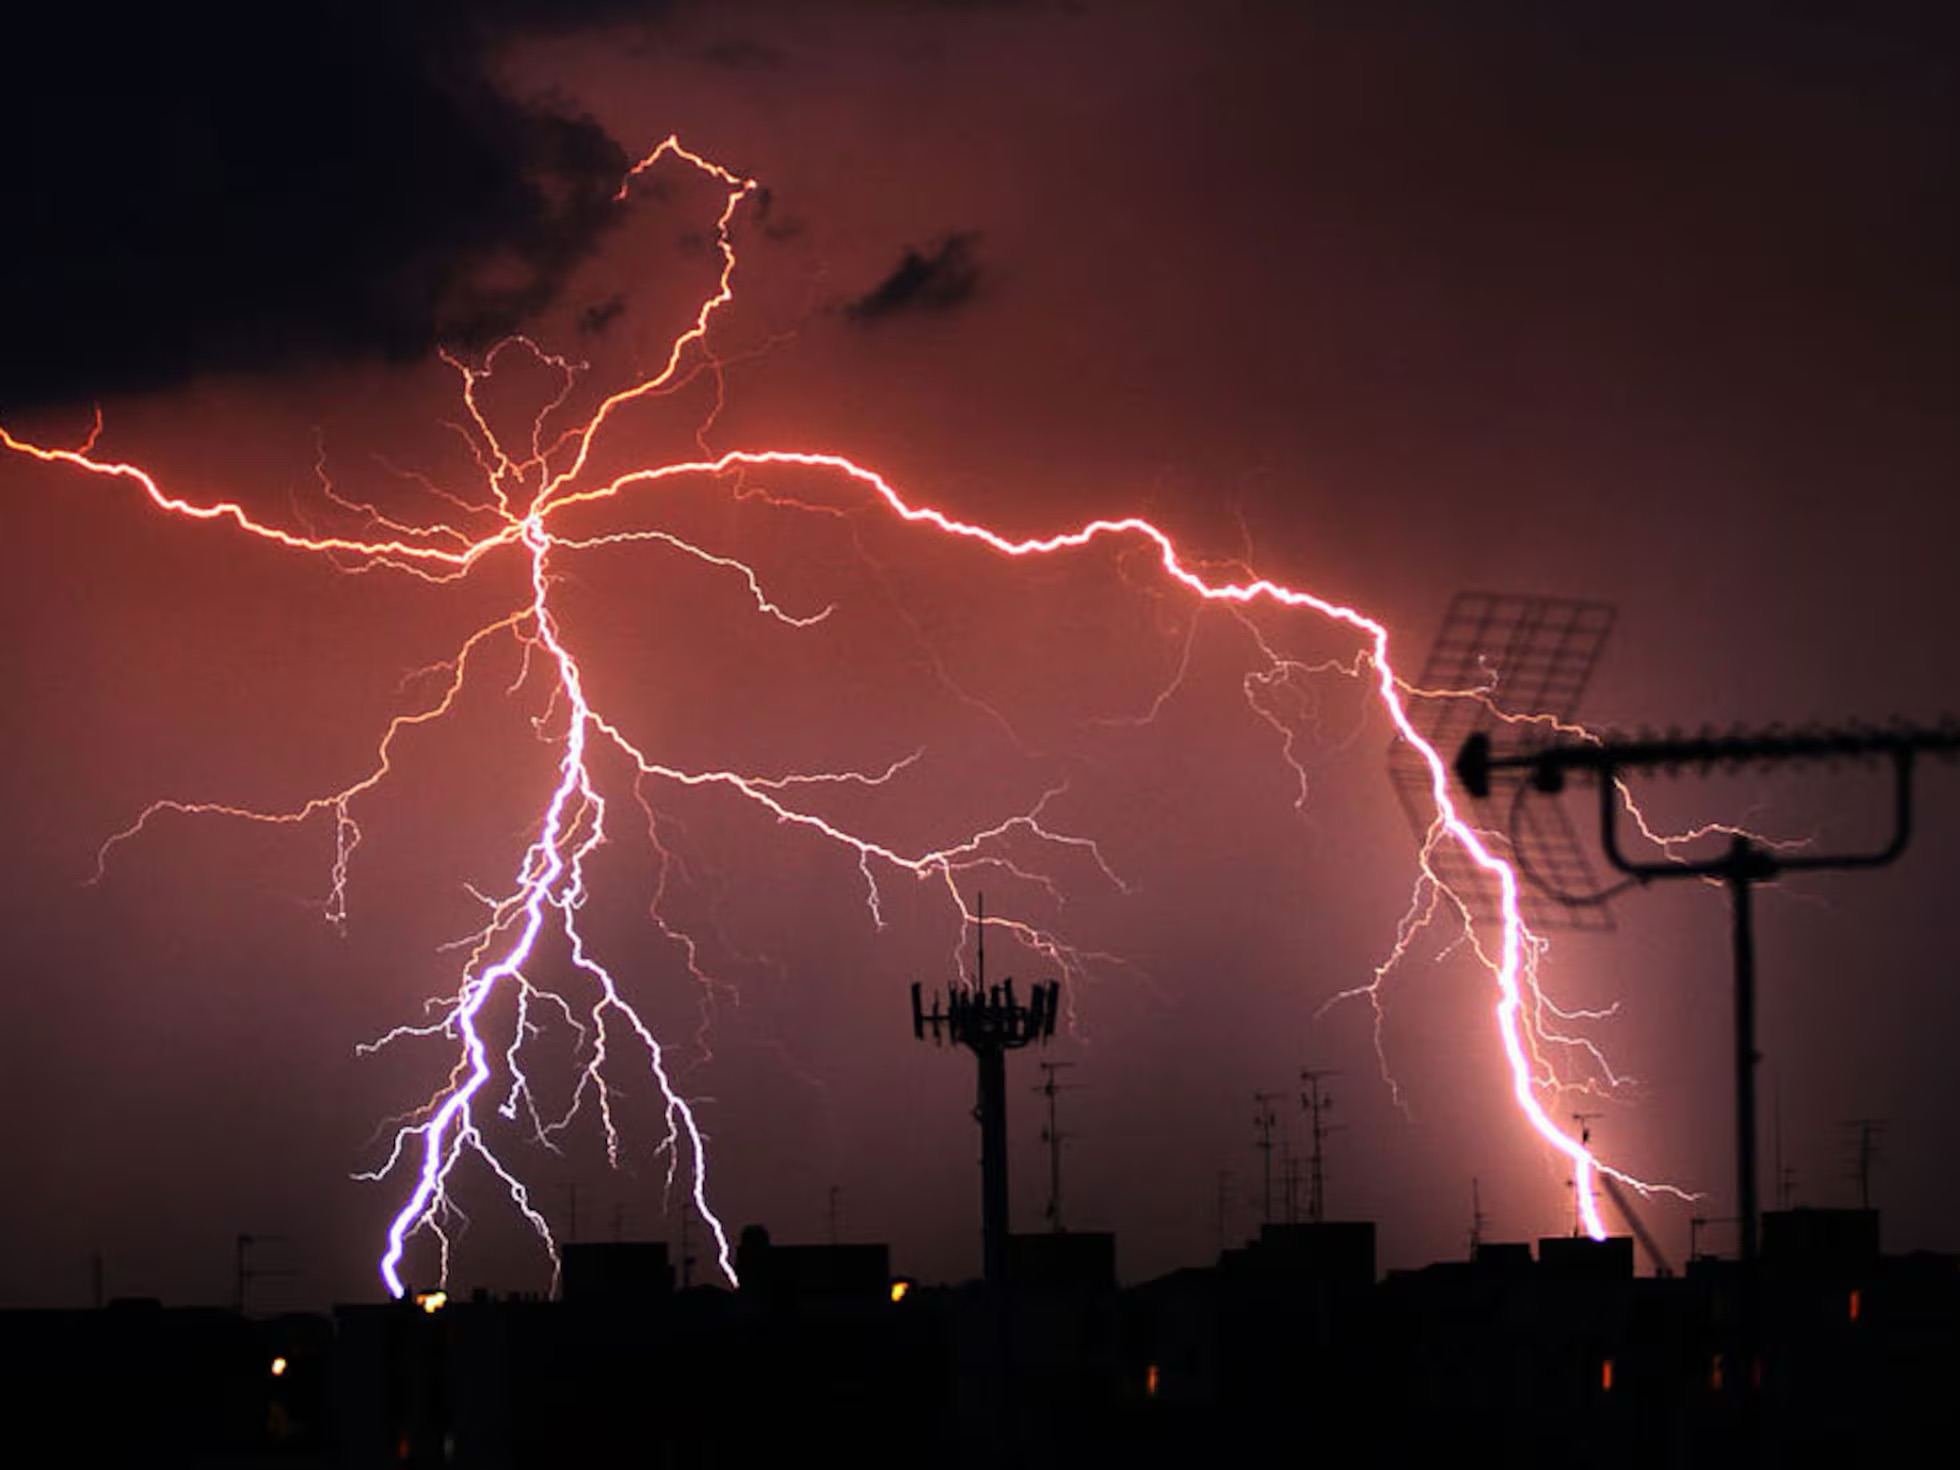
(239, 186)
(944, 277)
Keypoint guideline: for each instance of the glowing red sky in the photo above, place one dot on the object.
(1655, 316)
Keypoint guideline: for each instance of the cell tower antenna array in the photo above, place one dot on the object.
(989, 1022)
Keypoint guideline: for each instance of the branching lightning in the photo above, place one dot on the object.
(524, 490)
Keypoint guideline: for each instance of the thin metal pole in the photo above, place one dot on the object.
(1742, 879)
(993, 1163)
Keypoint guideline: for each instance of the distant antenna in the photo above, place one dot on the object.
(1545, 768)
(1785, 1177)
(245, 1272)
(1867, 1153)
(989, 1022)
(1478, 1220)
(1052, 1135)
(1289, 1180)
(1264, 1120)
(1316, 1103)
(1584, 1122)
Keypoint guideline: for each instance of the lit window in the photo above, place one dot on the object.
(1150, 1381)
(1606, 1375)
(278, 1367)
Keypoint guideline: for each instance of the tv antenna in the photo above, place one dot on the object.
(1264, 1121)
(1499, 658)
(1315, 1103)
(1583, 1122)
(1865, 1153)
(245, 1271)
(1052, 1135)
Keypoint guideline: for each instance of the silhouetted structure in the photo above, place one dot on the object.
(1745, 864)
(989, 1023)
(821, 1356)
(622, 1272)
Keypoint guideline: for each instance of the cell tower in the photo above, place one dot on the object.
(989, 1022)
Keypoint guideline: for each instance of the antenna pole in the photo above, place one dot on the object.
(1868, 1132)
(1263, 1123)
(1583, 1122)
(1053, 1136)
(1316, 1103)
(989, 1022)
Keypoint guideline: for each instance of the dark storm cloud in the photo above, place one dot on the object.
(941, 278)
(234, 186)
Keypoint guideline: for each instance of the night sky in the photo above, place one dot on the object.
(1649, 305)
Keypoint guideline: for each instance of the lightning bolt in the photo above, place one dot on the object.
(525, 491)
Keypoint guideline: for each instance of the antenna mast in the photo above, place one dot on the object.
(1315, 1103)
(1263, 1123)
(1053, 1136)
(989, 1022)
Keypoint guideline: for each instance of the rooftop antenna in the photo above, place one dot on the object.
(1785, 1177)
(1624, 1204)
(1289, 1180)
(244, 1272)
(1052, 1135)
(1745, 864)
(989, 1022)
(1264, 1120)
(1478, 1220)
(1584, 1122)
(1867, 1154)
(1316, 1103)
(1498, 653)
